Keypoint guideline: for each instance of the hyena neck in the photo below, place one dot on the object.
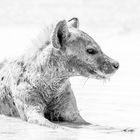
(53, 65)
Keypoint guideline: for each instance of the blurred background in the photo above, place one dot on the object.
(114, 24)
(98, 14)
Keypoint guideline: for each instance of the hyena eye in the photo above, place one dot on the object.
(91, 51)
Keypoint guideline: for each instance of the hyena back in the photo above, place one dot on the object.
(36, 87)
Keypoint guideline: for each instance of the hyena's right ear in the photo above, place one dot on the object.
(60, 34)
(74, 22)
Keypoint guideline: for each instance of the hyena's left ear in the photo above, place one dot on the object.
(74, 22)
(60, 34)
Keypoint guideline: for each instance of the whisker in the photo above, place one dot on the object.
(85, 81)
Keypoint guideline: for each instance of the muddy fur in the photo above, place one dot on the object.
(36, 87)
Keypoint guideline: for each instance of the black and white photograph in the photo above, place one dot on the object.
(69, 70)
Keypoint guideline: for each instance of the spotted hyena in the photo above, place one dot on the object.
(36, 87)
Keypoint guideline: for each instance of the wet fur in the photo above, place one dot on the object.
(36, 87)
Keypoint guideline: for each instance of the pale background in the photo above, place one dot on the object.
(115, 25)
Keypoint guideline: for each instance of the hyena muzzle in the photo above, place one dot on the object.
(36, 87)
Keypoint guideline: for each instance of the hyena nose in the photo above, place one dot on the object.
(116, 65)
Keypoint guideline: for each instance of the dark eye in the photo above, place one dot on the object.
(91, 51)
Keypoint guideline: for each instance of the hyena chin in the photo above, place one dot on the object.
(36, 87)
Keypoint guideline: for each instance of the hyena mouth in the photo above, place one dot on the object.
(91, 72)
(96, 74)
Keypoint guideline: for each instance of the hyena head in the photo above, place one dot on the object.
(83, 56)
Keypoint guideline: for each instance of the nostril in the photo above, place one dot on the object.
(116, 65)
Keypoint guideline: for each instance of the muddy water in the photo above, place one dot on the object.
(15, 129)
